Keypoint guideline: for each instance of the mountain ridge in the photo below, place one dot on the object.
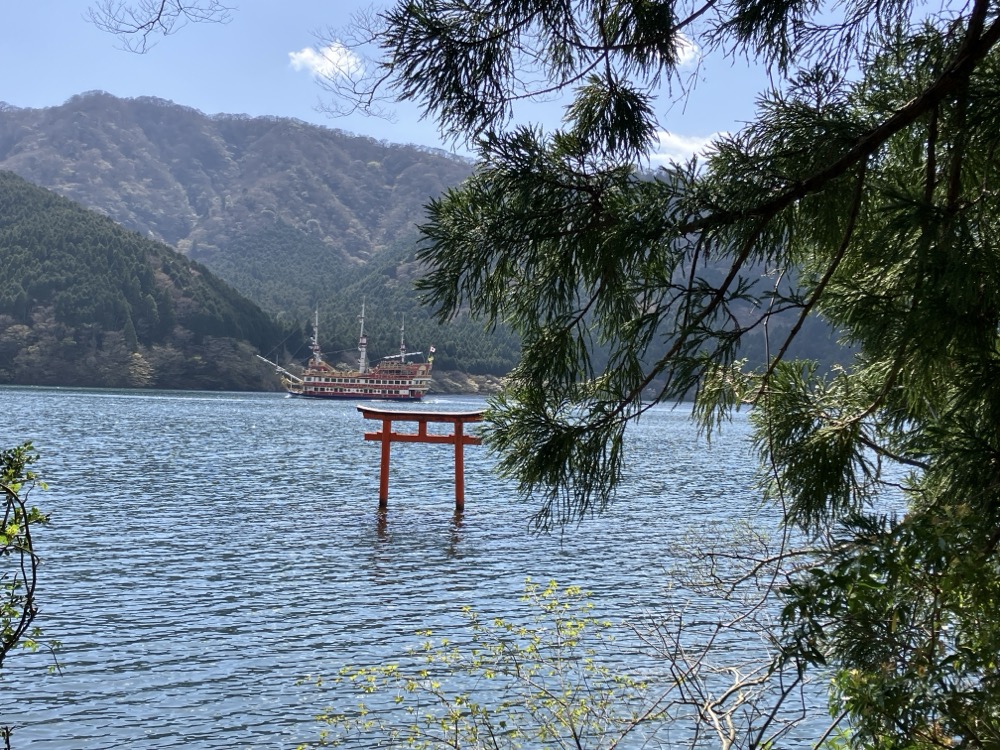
(200, 183)
(296, 217)
(85, 302)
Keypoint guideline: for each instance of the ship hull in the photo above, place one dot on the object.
(355, 396)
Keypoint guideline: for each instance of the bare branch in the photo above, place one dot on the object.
(138, 24)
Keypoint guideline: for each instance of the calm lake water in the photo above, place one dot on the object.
(208, 550)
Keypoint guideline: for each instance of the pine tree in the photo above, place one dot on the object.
(870, 178)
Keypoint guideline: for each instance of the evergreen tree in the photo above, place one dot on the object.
(870, 174)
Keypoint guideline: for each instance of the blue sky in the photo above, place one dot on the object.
(258, 64)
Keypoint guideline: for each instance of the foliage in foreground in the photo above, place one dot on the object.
(510, 686)
(876, 191)
(19, 575)
(18, 560)
(555, 681)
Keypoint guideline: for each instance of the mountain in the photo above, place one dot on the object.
(294, 216)
(199, 183)
(84, 302)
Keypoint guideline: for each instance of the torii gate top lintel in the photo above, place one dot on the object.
(409, 415)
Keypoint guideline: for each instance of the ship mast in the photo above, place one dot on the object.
(402, 341)
(362, 342)
(314, 342)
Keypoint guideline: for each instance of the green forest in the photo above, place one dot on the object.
(280, 265)
(84, 302)
(296, 218)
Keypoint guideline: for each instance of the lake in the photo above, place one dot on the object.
(208, 550)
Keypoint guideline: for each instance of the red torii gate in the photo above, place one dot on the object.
(457, 438)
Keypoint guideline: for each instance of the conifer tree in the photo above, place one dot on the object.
(869, 178)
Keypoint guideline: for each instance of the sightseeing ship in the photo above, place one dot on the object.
(392, 379)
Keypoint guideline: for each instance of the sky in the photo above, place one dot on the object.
(259, 63)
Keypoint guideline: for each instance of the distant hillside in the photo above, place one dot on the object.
(279, 208)
(85, 302)
(294, 216)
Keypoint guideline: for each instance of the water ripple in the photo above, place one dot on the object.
(208, 550)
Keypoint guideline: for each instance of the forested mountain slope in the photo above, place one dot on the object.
(294, 216)
(256, 198)
(85, 302)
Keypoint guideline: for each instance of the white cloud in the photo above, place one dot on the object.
(672, 147)
(329, 62)
(687, 51)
